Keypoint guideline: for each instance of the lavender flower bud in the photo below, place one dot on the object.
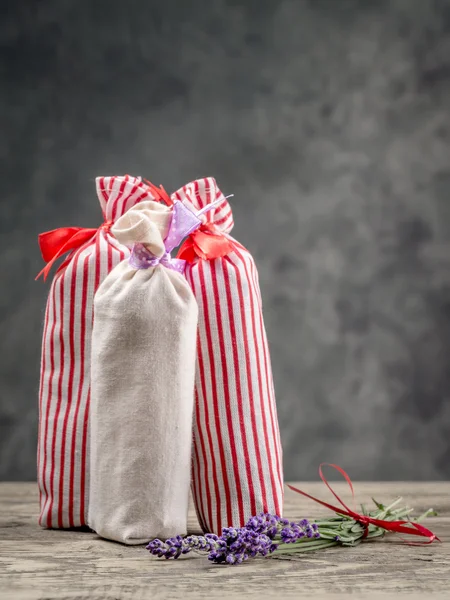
(304, 523)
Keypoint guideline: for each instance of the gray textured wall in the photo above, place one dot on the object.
(329, 121)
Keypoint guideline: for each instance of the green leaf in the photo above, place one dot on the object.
(428, 513)
(377, 533)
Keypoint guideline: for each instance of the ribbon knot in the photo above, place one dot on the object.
(106, 226)
(208, 240)
(207, 243)
(142, 258)
(407, 527)
(183, 223)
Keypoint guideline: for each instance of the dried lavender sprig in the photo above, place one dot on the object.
(258, 538)
(267, 534)
(176, 546)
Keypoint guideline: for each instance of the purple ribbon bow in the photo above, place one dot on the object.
(183, 222)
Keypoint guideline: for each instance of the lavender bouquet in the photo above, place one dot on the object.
(266, 534)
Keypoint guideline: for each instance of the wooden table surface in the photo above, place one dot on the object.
(50, 564)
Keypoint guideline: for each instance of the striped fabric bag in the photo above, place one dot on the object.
(64, 396)
(237, 456)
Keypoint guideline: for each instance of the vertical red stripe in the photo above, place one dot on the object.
(254, 300)
(83, 458)
(197, 195)
(124, 195)
(198, 439)
(104, 191)
(119, 197)
(108, 186)
(248, 347)
(275, 426)
(223, 353)
(48, 518)
(101, 187)
(58, 406)
(41, 472)
(81, 358)
(69, 393)
(43, 419)
(196, 488)
(97, 267)
(237, 379)
(110, 253)
(88, 399)
(206, 309)
(201, 372)
(279, 449)
(208, 191)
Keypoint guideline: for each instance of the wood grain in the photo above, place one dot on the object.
(37, 564)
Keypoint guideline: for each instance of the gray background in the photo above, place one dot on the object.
(329, 121)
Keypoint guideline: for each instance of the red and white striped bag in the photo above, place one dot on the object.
(64, 396)
(237, 455)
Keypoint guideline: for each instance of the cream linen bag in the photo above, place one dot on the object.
(142, 381)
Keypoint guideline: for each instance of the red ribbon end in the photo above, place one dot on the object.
(405, 527)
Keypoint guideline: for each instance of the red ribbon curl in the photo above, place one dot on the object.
(55, 243)
(407, 527)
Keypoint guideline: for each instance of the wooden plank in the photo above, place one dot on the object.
(37, 564)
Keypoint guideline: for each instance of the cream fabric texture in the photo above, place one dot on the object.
(143, 372)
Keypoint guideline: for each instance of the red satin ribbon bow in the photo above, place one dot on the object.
(206, 243)
(55, 243)
(407, 527)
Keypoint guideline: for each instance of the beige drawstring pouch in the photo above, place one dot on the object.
(142, 384)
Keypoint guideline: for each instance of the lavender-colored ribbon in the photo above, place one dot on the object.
(142, 258)
(183, 222)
